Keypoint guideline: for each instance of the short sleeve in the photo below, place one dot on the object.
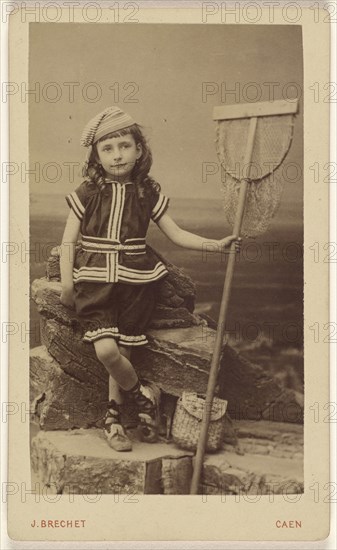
(77, 200)
(159, 207)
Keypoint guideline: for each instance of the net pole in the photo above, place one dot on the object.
(215, 362)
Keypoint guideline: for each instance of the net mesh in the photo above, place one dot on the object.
(272, 141)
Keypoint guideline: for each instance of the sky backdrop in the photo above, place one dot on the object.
(157, 73)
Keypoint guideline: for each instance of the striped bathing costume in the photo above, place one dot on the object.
(115, 272)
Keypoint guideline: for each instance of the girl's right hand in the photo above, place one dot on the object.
(67, 297)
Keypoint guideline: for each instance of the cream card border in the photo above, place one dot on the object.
(186, 517)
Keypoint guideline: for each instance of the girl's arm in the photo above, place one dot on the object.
(194, 242)
(67, 252)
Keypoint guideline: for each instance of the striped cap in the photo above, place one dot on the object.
(109, 120)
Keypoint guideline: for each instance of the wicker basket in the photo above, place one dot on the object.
(187, 421)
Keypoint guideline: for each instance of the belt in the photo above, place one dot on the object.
(109, 246)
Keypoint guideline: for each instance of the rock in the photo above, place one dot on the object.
(163, 317)
(43, 369)
(288, 407)
(69, 391)
(81, 462)
(251, 475)
(175, 359)
(46, 296)
(276, 439)
(179, 360)
(263, 396)
(61, 400)
(176, 475)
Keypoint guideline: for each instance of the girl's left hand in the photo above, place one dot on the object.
(225, 243)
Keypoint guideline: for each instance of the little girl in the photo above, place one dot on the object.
(111, 280)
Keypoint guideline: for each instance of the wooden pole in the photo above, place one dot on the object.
(199, 457)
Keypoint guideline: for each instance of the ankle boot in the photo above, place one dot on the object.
(113, 429)
(147, 407)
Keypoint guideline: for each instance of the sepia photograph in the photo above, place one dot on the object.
(145, 143)
(169, 260)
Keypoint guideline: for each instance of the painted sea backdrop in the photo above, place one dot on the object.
(265, 320)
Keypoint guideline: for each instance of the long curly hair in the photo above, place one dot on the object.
(94, 171)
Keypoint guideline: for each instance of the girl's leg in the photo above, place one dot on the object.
(114, 390)
(117, 365)
(145, 401)
(120, 370)
(126, 352)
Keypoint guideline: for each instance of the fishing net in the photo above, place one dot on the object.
(272, 142)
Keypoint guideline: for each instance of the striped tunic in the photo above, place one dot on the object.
(114, 223)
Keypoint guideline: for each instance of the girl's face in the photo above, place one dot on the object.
(118, 156)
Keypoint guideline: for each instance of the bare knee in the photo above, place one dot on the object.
(107, 351)
(126, 352)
